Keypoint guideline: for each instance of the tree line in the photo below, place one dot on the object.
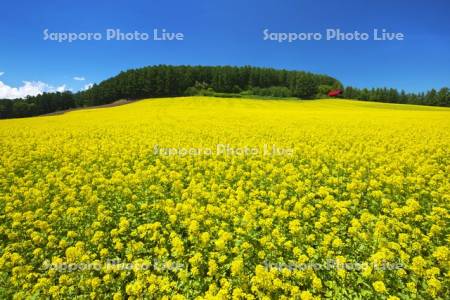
(431, 98)
(36, 105)
(171, 81)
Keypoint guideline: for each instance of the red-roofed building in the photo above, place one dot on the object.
(335, 93)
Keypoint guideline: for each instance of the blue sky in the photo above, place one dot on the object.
(225, 33)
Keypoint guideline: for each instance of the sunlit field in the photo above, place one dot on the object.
(209, 198)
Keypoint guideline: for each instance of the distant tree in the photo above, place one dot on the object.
(432, 97)
(443, 97)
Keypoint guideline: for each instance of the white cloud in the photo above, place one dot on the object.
(61, 88)
(79, 78)
(29, 88)
(1, 73)
(88, 86)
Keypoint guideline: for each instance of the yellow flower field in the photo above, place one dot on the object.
(208, 198)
